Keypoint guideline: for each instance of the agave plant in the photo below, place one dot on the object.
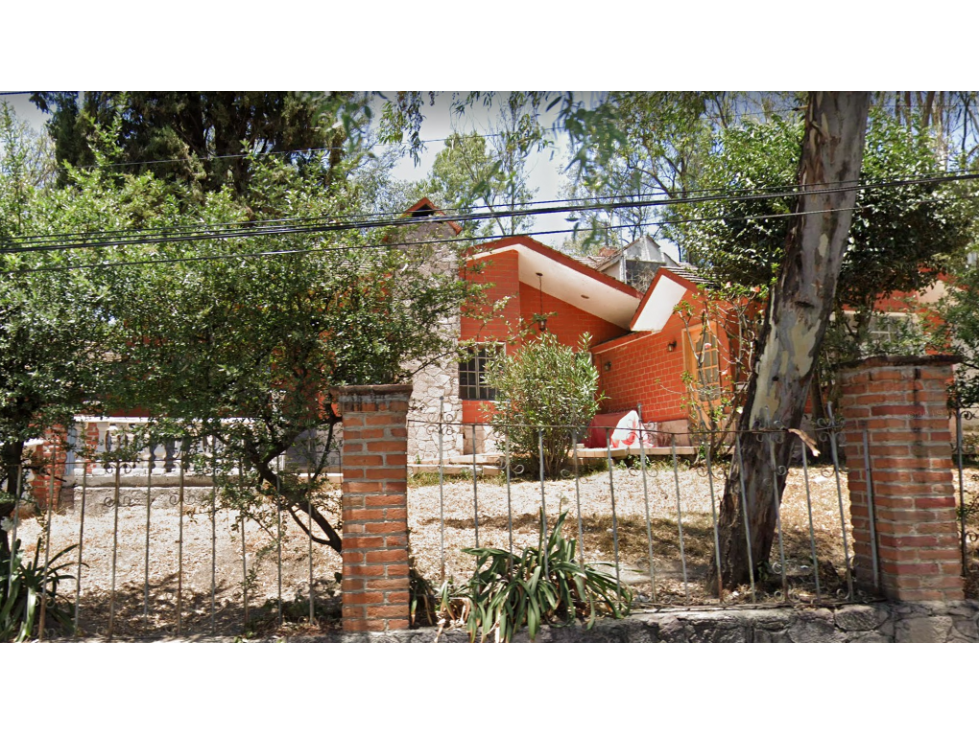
(542, 585)
(21, 594)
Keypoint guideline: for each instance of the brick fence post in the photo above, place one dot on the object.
(375, 507)
(52, 456)
(901, 403)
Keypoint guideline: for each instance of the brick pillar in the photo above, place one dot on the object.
(52, 455)
(375, 507)
(902, 403)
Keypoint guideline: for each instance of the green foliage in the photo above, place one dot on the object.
(959, 328)
(491, 171)
(53, 325)
(545, 387)
(205, 342)
(652, 145)
(901, 237)
(204, 139)
(542, 585)
(22, 593)
(239, 340)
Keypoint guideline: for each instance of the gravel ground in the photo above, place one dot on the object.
(596, 520)
(424, 512)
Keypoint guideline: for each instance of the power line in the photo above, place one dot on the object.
(311, 225)
(785, 189)
(388, 245)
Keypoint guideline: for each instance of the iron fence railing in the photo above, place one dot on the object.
(143, 551)
(640, 494)
(965, 444)
(208, 549)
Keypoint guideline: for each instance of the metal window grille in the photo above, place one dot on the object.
(471, 371)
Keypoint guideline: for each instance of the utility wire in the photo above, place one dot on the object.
(388, 245)
(312, 225)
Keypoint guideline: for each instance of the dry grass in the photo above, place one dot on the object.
(459, 508)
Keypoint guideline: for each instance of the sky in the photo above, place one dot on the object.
(546, 169)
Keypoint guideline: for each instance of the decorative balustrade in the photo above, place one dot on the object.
(112, 437)
(126, 438)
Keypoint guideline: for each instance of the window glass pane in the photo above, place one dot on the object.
(471, 372)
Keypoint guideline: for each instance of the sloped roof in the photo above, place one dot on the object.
(664, 293)
(425, 208)
(568, 279)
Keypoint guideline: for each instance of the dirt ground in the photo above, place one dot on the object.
(135, 614)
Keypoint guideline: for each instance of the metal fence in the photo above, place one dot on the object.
(966, 452)
(171, 544)
(649, 510)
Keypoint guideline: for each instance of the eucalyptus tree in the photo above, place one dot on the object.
(901, 239)
(796, 320)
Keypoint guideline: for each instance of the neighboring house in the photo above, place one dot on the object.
(637, 262)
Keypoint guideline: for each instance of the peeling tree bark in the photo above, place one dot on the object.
(798, 314)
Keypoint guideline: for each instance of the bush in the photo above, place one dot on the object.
(542, 585)
(20, 608)
(545, 386)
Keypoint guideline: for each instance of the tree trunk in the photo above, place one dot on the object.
(10, 457)
(296, 502)
(796, 321)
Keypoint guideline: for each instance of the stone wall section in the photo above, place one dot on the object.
(883, 622)
(440, 379)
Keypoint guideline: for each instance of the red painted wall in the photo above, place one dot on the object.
(501, 272)
(642, 369)
(568, 322)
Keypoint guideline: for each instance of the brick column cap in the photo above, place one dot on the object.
(361, 389)
(883, 360)
(354, 397)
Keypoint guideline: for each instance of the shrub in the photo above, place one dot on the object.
(21, 605)
(545, 387)
(542, 585)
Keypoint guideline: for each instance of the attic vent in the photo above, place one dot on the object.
(423, 211)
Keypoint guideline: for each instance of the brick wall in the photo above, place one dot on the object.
(47, 458)
(567, 322)
(642, 368)
(901, 404)
(500, 272)
(375, 508)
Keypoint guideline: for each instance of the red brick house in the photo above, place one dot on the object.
(640, 345)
